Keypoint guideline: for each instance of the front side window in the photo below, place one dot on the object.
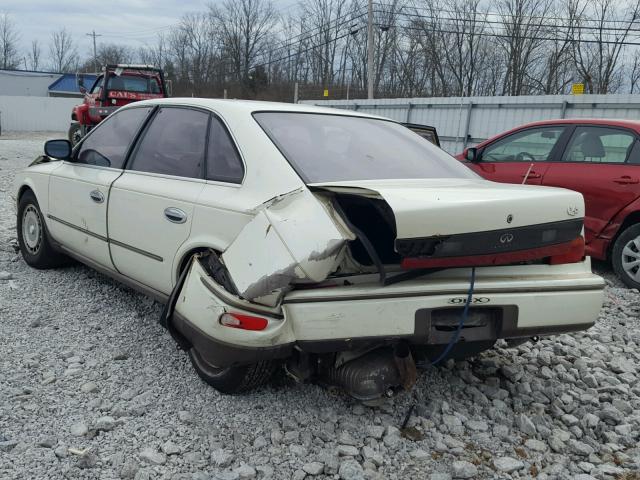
(174, 143)
(532, 145)
(97, 86)
(223, 160)
(108, 144)
(326, 148)
(599, 145)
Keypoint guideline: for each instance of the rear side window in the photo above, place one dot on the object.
(174, 143)
(107, 146)
(531, 145)
(599, 145)
(223, 161)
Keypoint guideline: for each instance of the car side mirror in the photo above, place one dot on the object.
(60, 149)
(82, 89)
(471, 154)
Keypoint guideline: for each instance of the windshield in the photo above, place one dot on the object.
(134, 83)
(329, 148)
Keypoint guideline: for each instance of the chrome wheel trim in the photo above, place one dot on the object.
(31, 229)
(631, 259)
(76, 136)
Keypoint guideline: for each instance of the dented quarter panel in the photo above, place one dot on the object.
(202, 307)
(293, 238)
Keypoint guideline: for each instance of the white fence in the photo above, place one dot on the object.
(33, 114)
(468, 121)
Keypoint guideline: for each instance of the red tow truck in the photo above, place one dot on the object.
(116, 86)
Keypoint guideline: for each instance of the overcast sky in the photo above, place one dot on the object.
(130, 22)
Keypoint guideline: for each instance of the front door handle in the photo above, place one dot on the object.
(626, 180)
(96, 196)
(175, 215)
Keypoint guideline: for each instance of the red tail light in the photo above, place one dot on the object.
(575, 253)
(242, 321)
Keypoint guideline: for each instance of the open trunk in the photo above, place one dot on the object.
(451, 222)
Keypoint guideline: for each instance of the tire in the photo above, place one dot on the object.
(625, 256)
(75, 133)
(232, 380)
(33, 238)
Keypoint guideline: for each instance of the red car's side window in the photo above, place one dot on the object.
(532, 145)
(599, 145)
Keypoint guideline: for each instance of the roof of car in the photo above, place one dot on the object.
(610, 122)
(232, 106)
(634, 124)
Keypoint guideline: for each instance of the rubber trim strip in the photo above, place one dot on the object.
(478, 291)
(75, 227)
(107, 240)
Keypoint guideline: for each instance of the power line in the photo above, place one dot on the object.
(496, 22)
(524, 37)
(537, 17)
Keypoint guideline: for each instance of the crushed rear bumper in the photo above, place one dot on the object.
(508, 302)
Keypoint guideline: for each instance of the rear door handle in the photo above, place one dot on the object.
(626, 180)
(175, 215)
(532, 174)
(96, 196)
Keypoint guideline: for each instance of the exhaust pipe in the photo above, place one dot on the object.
(375, 374)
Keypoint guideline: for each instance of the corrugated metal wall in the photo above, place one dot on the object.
(34, 114)
(467, 121)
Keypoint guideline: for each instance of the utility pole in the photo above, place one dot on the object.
(95, 54)
(370, 64)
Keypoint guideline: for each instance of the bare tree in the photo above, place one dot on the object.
(244, 27)
(8, 43)
(597, 50)
(34, 55)
(62, 52)
(522, 40)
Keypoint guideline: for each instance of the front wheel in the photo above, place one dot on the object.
(625, 256)
(75, 133)
(232, 380)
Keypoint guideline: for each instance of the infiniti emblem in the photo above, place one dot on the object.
(572, 211)
(506, 238)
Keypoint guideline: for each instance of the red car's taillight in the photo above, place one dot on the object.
(242, 321)
(573, 255)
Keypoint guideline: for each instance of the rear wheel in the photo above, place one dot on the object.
(35, 245)
(625, 256)
(232, 379)
(75, 133)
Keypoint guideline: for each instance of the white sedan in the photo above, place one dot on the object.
(343, 246)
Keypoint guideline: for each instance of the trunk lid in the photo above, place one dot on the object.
(443, 207)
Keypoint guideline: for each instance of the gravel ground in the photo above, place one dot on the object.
(92, 387)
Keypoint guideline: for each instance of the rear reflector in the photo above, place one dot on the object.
(568, 252)
(574, 255)
(244, 322)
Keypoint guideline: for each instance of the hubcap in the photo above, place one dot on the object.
(31, 229)
(631, 259)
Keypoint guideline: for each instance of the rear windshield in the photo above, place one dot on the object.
(329, 148)
(134, 83)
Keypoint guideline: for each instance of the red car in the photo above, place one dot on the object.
(598, 158)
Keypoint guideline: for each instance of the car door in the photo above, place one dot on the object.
(79, 189)
(428, 133)
(603, 164)
(152, 203)
(521, 155)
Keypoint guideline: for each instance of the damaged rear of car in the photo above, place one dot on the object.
(391, 256)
